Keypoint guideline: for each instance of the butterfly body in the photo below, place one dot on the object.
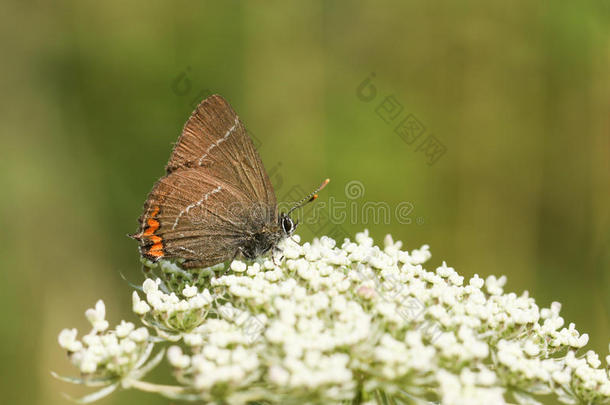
(261, 242)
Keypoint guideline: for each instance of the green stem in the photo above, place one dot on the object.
(155, 388)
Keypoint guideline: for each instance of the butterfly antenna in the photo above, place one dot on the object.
(309, 198)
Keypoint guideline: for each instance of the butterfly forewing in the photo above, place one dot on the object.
(215, 196)
(214, 137)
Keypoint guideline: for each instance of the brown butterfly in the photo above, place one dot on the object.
(216, 201)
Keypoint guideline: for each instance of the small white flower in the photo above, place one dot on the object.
(139, 335)
(150, 286)
(128, 345)
(238, 266)
(67, 340)
(138, 306)
(476, 281)
(444, 270)
(366, 292)
(124, 329)
(189, 291)
(88, 364)
(177, 358)
(561, 377)
(96, 316)
(494, 285)
(253, 269)
(193, 339)
(593, 359)
(278, 375)
(582, 340)
(531, 348)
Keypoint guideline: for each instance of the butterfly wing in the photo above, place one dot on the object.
(215, 138)
(216, 193)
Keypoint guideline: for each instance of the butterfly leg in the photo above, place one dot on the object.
(237, 253)
(273, 252)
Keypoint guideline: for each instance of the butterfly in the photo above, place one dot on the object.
(215, 202)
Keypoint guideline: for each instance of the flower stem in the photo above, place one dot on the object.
(155, 388)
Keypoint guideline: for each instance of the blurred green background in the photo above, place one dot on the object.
(516, 93)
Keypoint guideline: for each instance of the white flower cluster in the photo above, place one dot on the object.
(108, 357)
(169, 314)
(362, 324)
(113, 353)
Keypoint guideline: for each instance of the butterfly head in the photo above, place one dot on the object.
(287, 225)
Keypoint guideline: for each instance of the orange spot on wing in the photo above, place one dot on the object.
(156, 250)
(153, 225)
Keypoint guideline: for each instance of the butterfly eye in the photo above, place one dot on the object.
(287, 225)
